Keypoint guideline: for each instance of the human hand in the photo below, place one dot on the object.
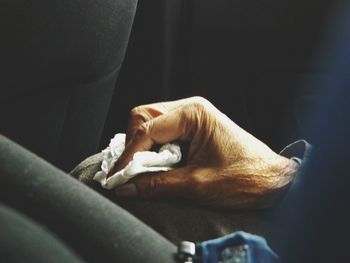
(226, 166)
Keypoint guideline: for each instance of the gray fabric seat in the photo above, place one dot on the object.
(58, 68)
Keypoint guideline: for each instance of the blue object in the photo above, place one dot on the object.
(238, 247)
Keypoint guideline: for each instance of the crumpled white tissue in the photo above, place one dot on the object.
(146, 161)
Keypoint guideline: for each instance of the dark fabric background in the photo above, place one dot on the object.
(58, 67)
(250, 58)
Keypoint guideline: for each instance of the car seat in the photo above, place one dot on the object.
(59, 64)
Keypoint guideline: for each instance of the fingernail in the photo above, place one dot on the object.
(126, 190)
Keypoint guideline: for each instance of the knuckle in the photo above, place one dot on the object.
(137, 115)
(198, 106)
(143, 113)
(200, 101)
(192, 116)
(136, 112)
(202, 184)
(155, 183)
(154, 187)
(199, 187)
(143, 130)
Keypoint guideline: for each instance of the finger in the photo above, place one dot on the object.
(144, 113)
(179, 124)
(141, 141)
(179, 182)
(140, 115)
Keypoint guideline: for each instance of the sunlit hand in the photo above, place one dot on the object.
(226, 166)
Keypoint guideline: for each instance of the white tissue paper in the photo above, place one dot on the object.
(146, 161)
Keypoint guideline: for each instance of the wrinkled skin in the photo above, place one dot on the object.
(226, 167)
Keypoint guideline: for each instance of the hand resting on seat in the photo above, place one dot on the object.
(226, 168)
(177, 219)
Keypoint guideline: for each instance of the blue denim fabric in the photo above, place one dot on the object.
(238, 247)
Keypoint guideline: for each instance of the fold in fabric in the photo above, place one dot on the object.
(146, 161)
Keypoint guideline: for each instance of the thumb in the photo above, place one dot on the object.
(179, 182)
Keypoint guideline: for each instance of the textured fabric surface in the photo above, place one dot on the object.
(59, 64)
(62, 41)
(22, 240)
(94, 227)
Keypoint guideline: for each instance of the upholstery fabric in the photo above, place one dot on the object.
(58, 68)
(22, 240)
(92, 226)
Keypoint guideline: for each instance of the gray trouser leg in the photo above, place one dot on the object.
(95, 228)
